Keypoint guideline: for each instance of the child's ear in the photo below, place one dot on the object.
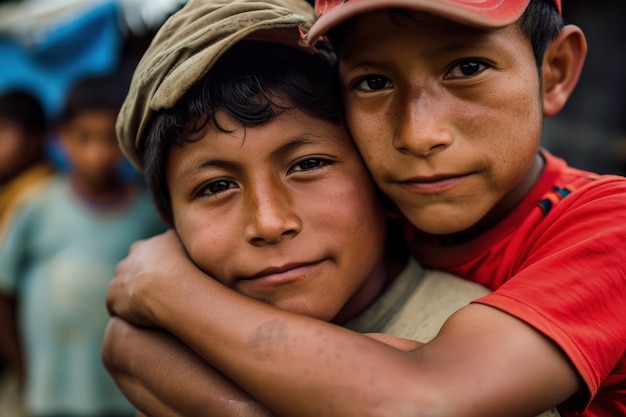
(562, 63)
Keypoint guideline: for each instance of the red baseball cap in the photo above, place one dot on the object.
(482, 13)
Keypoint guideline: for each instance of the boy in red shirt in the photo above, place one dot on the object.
(445, 101)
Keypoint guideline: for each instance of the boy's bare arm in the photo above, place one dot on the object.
(161, 377)
(483, 362)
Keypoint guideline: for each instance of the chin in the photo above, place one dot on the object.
(442, 223)
(435, 227)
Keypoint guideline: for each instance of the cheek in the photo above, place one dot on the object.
(362, 218)
(364, 123)
(504, 124)
(346, 205)
(368, 138)
(510, 159)
(521, 110)
(207, 242)
(523, 136)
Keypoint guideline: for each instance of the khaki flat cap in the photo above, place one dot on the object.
(187, 46)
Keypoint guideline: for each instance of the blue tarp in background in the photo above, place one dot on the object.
(47, 65)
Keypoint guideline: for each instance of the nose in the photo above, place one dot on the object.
(420, 128)
(271, 216)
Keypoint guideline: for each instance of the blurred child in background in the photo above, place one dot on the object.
(59, 255)
(22, 160)
(23, 170)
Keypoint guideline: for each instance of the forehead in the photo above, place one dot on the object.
(289, 132)
(418, 29)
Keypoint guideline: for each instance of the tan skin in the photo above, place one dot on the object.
(195, 388)
(192, 390)
(90, 142)
(449, 128)
(278, 345)
(483, 363)
(277, 212)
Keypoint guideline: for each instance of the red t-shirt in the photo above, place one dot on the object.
(558, 262)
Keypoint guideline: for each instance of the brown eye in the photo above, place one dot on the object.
(376, 83)
(373, 83)
(469, 68)
(309, 164)
(466, 69)
(216, 187)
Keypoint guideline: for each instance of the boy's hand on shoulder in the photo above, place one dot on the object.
(405, 345)
(143, 276)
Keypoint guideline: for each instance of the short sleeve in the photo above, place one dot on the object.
(571, 285)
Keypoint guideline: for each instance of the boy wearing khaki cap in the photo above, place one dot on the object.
(445, 101)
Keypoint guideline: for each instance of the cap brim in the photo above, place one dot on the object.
(479, 13)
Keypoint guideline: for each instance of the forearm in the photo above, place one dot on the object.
(298, 366)
(163, 378)
(275, 355)
(483, 362)
(158, 286)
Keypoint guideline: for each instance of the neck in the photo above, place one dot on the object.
(101, 196)
(381, 277)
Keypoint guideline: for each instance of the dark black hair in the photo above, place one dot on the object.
(253, 82)
(541, 23)
(23, 108)
(105, 92)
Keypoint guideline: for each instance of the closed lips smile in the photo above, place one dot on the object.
(433, 184)
(283, 274)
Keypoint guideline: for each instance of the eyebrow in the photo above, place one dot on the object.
(191, 170)
(299, 142)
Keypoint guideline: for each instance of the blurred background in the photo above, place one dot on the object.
(46, 45)
(591, 131)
